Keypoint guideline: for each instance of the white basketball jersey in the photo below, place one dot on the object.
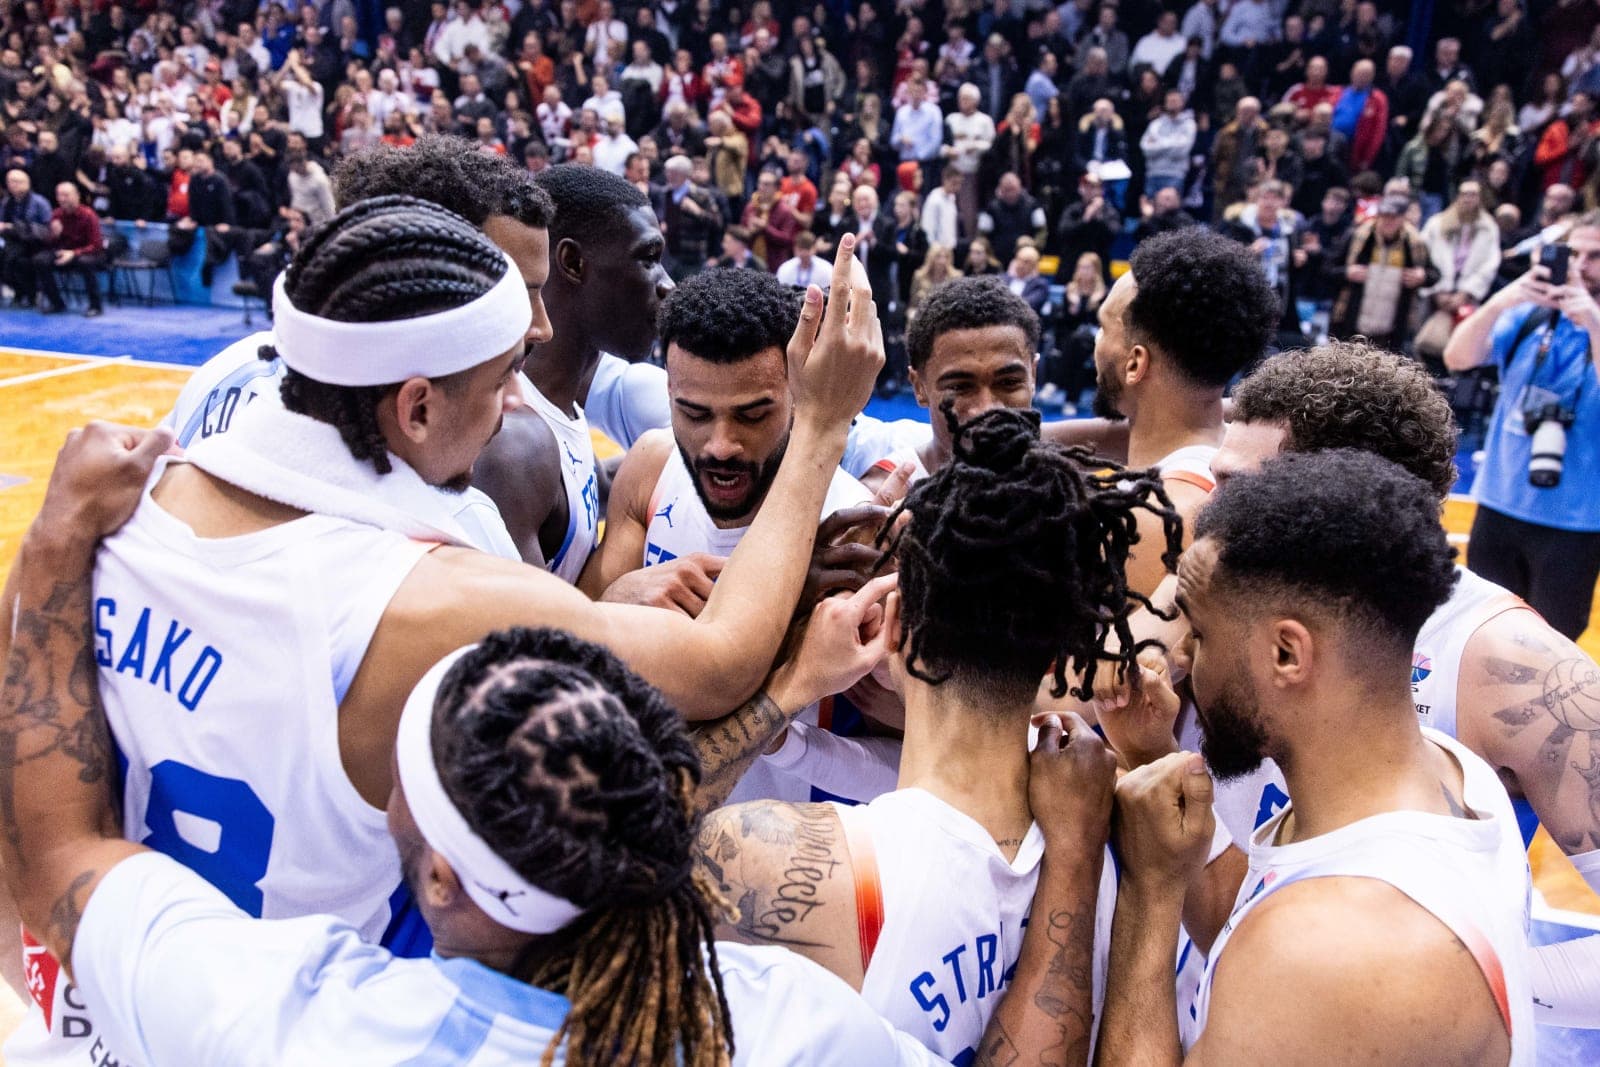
(222, 666)
(906, 454)
(679, 525)
(237, 376)
(1190, 464)
(1472, 874)
(578, 478)
(1248, 802)
(954, 914)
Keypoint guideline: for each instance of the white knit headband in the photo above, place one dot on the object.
(503, 894)
(382, 353)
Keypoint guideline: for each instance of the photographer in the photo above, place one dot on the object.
(1537, 530)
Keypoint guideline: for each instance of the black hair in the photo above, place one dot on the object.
(1338, 531)
(580, 775)
(449, 171)
(1348, 394)
(1203, 301)
(967, 304)
(1013, 564)
(592, 205)
(727, 316)
(380, 260)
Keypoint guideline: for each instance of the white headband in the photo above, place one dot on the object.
(503, 894)
(382, 353)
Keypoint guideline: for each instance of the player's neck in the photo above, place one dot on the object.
(563, 367)
(1169, 418)
(1342, 768)
(974, 759)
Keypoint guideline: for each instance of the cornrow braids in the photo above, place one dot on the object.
(580, 776)
(380, 260)
(1013, 562)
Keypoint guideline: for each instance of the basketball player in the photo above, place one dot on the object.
(1487, 670)
(974, 344)
(606, 283)
(567, 907)
(1394, 880)
(302, 561)
(498, 198)
(683, 499)
(1193, 310)
(1010, 568)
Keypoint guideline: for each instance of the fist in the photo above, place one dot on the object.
(1164, 822)
(1070, 779)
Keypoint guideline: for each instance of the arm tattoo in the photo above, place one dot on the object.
(1565, 698)
(799, 841)
(53, 710)
(1072, 934)
(67, 912)
(729, 745)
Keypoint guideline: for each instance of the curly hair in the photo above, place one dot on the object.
(1203, 301)
(1337, 531)
(449, 171)
(592, 205)
(727, 316)
(967, 304)
(1349, 394)
(579, 775)
(1013, 564)
(380, 260)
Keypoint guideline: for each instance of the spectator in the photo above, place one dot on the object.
(1562, 151)
(804, 268)
(1070, 369)
(1320, 236)
(1226, 92)
(304, 96)
(1249, 23)
(1497, 139)
(1089, 224)
(606, 30)
(980, 258)
(736, 250)
(75, 245)
(1192, 74)
(703, 179)
(1106, 36)
(722, 70)
(971, 135)
(1447, 66)
(680, 132)
(1201, 23)
(614, 146)
(1383, 264)
(1092, 82)
(1161, 213)
(1430, 162)
(744, 110)
(770, 222)
(25, 219)
(683, 85)
(1285, 61)
(838, 216)
(798, 191)
(910, 247)
(816, 81)
(1010, 215)
(1462, 104)
(941, 212)
(1278, 161)
(936, 269)
(918, 132)
(1158, 48)
(1234, 151)
(1313, 91)
(1270, 228)
(1042, 87)
(1544, 106)
(1463, 242)
(995, 74)
(131, 194)
(1015, 141)
(1361, 115)
(1167, 143)
(1024, 279)
(310, 191)
(730, 155)
(51, 166)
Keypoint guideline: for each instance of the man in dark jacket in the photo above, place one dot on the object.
(132, 193)
(1011, 214)
(1382, 263)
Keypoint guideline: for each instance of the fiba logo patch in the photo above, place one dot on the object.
(1421, 667)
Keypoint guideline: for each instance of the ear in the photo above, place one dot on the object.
(1293, 654)
(568, 260)
(1137, 369)
(440, 884)
(411, 408)
(918, 386)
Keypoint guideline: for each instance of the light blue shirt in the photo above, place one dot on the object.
(924, 125)
(1567, 377)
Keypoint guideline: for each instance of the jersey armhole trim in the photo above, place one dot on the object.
(868, 886)
(1200, 482)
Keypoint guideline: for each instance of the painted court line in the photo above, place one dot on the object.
(61, 372)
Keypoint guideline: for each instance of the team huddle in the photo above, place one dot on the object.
(359, 714)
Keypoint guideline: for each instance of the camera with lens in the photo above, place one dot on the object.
(1548, 424)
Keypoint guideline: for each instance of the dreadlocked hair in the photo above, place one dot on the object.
(1013, 562)
(580, 775)
(380, 260)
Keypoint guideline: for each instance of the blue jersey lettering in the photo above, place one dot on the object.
(936, 1004)
(988, 945)
(171, 660)
(654, 554)
(1272, 801)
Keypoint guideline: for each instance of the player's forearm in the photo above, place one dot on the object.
(751, 604)
(1047, 1016)
(56, 761)
(1140, 1024)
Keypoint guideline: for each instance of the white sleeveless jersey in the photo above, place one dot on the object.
(1249, 801)
(905, 454)
(954, 914)
(578, 478)
(1190, 464)
(679, 526)
(222, 666)
(226, 383)
(1470, 874)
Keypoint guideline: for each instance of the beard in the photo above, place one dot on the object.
(758, 476)
(1232, 740)
(1107, 392)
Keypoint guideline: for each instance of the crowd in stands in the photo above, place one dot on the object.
(1390, 163)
